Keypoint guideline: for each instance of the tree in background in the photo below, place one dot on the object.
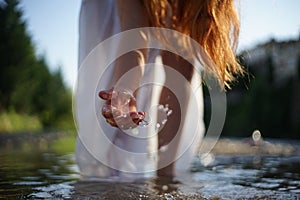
(261, 104)
(16, 50)
(26, 83)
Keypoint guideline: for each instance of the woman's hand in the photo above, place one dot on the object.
(119, 109)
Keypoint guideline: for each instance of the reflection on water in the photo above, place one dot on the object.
(34, 171)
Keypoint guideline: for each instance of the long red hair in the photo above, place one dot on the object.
(214, 24)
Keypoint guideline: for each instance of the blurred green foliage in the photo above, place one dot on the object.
(14, 122)
(27, 86)
(64, 145)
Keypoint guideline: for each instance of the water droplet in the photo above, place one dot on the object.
(207, 159)
(161, 112)
(166, 108)
(144, 123)
(165, 188)
(160, 107)
(256, 135)
(163, 148)
(140, 116)
(157, 125)
(163, 122)
(169, 112)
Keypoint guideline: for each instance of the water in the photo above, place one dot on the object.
(43, 167)
(124, 100)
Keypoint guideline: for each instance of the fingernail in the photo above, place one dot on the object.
(104, 95)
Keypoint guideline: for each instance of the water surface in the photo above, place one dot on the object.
(44, 168)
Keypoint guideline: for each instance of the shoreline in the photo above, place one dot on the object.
(224, 146)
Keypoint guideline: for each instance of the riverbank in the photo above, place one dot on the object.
(58, 142)
(244, 146)
(224, 146)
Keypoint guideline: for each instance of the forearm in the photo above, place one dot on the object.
(128, 68)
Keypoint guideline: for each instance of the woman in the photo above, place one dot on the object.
(133, 151)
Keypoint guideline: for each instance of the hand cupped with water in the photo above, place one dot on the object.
(120, 109)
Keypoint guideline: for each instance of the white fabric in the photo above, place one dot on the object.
(98, 21)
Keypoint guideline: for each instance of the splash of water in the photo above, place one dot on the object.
(162, 113)
(122, 98)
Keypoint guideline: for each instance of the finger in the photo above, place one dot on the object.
(106, 94)
(107, 111)
(137, 117)
(132, 105)
(112, 122)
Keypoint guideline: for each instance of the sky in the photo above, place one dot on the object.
(53, 25)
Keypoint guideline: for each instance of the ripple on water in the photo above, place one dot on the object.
(48, 175)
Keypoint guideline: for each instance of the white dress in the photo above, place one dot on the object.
(103, 151)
